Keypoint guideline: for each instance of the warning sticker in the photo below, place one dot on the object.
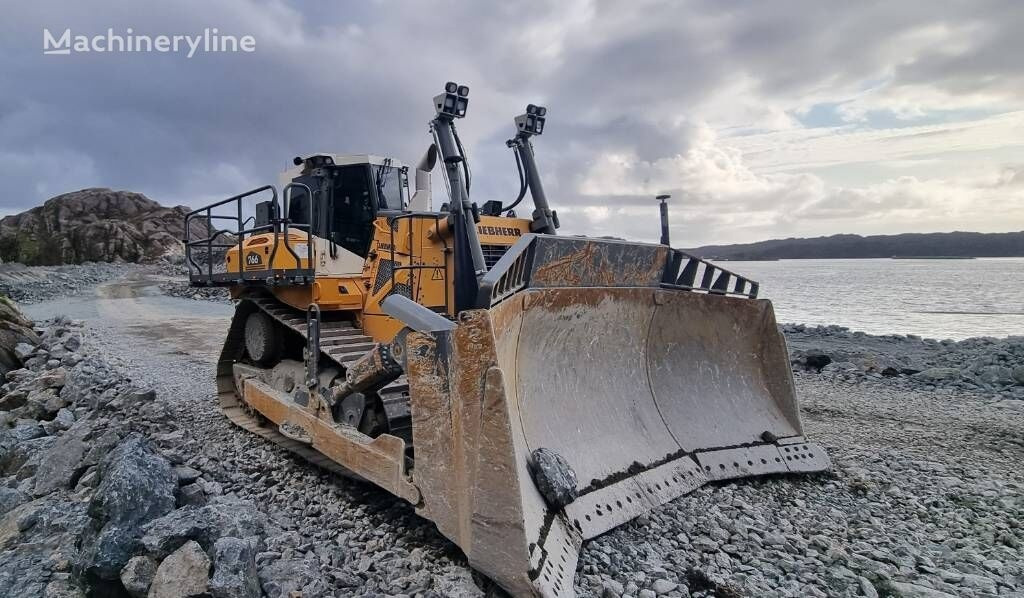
(436, 274)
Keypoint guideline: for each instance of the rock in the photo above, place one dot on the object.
(24, 457)
(63, 588)
(53, 379)
(23, 351)
(61, 465)
(909, 590)
(938, 374)
(15, 331)
(191, 494)
(72, 343)
(186, 475)
(457, 582)
(137, 487)
(26, 429)
(284, 578)
(867, 588)
(816, 358)
(663, 586)
(62, 421)
(35, 541)
(185, 572)
(13, 400)
(10, 498)
(978, 582)
(234, 569)
(97, 225)
(1018, 374)
(137, 575)
(553, 476)
(222, 517)
(611, 589)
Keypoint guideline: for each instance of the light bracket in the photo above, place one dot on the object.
(453, 102)
(533, 121)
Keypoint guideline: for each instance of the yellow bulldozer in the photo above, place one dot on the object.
(523, 390)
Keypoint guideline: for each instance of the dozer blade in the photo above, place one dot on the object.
(644, 388)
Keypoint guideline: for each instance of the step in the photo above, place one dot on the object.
(358, 348)
(340, 333)
(347, 358)
(335, 341)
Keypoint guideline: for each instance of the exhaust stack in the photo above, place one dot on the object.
(421, 200)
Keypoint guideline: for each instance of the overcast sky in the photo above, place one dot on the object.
(762, 119)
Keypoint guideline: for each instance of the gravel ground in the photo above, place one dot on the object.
(926, 498)
(181, 288)
(984, 365)
(27, 284)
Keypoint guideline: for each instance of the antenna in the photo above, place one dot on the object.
(664, 217)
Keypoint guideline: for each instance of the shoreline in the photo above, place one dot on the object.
(982, 364)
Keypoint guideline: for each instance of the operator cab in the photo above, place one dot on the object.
(348, 193)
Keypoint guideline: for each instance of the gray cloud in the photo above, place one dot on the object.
(647, 81)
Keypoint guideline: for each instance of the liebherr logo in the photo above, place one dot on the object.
(209, 41)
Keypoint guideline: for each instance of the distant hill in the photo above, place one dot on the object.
(97, 225)
(955, 244)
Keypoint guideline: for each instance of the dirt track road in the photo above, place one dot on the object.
(134, 308)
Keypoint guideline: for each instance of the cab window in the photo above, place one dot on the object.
(389, 187)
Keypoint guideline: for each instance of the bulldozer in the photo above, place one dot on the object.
(523, 390)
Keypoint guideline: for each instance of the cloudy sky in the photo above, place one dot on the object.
(762, 119)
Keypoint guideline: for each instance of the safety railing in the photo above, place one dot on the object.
(700, 275)
(218, 241)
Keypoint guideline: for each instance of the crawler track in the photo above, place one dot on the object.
(341, 343)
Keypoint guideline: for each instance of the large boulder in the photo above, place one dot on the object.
(234, 569)
(16, 336)
(137, 487)
(137, 576)
(62, 463)
(98, 225)
(37, 541)
(222, 517)
(185, 572)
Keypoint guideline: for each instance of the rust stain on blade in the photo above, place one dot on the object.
(584, 263)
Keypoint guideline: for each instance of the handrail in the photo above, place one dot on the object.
(285, 221)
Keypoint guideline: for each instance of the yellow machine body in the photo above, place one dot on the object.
(412, 252)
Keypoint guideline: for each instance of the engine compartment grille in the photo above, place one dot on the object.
(493, 253)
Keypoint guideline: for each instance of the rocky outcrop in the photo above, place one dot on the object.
(98, 225)
(16, 336)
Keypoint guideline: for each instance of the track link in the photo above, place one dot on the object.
(340, 342)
